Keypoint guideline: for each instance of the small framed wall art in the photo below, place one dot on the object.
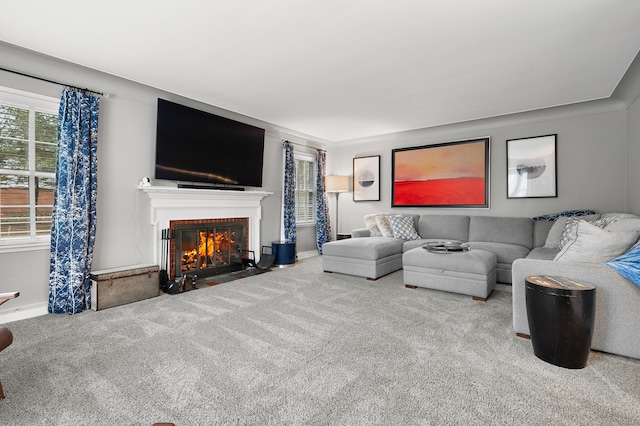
(366, 178)
(531, 167)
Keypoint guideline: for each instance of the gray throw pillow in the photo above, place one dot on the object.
(403, 227)
(555, 233)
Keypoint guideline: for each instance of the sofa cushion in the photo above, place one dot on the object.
(444, 227)
(403, 227)
(371, 248)
(594, 245)
(506, 230)
(505, 253)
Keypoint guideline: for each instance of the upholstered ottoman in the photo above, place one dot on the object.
(370, 257)
(472, 272)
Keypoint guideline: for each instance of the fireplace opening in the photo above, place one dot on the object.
(208, 247)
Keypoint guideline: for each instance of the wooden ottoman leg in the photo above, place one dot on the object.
(410, 286)
(1, 391)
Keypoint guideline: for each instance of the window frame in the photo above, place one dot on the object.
(299, 156)
(34, 103)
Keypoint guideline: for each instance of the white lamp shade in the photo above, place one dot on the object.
(336, 183)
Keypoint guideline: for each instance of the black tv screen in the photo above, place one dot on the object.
(197, 146)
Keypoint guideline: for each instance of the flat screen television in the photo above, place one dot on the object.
(194, 146)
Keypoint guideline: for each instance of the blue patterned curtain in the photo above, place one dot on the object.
(74, 207)
(323, 225)
(289, 196)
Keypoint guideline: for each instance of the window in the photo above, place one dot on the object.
(305, 189)
(28, 145)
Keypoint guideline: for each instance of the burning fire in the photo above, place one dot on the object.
(213, 250)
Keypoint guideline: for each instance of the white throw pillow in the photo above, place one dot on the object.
(384, 225)
(624, 225)
(569, 232)
(372, 225)
(592, 244)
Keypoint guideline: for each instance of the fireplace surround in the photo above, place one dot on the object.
(166, 204)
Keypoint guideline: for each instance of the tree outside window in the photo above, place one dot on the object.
(28, 145)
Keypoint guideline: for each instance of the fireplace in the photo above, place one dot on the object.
(207, 247)
(164, 204)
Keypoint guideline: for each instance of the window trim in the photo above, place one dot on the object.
(36, 103)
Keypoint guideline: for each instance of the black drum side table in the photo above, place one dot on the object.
(561, 314)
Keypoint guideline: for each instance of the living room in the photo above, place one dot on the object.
(598, 147)
(598, 142)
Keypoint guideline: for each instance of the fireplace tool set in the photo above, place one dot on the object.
(179, 285)
(164, 261)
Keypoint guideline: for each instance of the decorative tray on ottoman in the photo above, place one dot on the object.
(446, 247)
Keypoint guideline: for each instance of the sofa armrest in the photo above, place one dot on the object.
(360, 232)
(617, 302)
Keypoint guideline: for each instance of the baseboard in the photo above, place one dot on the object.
(24, 312)
(305, 254)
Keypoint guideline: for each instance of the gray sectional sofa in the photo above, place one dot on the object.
(522, 247)
(509, 238)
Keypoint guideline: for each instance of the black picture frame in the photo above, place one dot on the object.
(532, 170)
(448, 175)
(366, 178)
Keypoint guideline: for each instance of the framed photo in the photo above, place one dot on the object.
(531, 167)
(366, 178)
(452, 174)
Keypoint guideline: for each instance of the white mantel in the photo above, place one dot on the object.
(171, 203)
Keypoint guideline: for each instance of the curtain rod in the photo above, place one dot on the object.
(54, 82)
(305, 146)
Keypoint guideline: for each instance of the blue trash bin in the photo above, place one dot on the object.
(285, 253)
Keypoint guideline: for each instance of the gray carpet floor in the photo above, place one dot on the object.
(298, 346)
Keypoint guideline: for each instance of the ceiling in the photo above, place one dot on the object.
(338, 70)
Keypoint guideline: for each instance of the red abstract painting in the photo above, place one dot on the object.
(454, 174)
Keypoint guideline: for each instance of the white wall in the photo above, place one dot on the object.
(126, 152)
(591, 158)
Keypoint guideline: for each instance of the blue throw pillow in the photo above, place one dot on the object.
(628, 264)
(554, 216)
